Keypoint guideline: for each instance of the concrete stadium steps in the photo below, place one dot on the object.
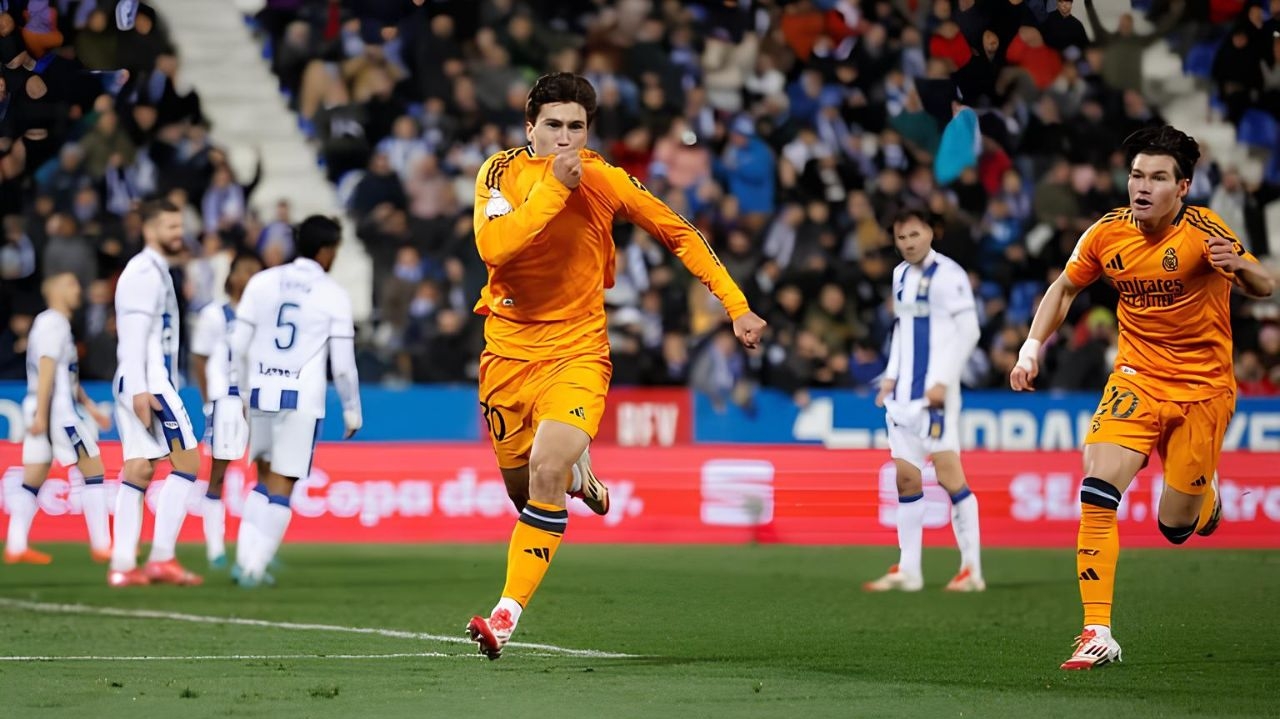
(241, 98)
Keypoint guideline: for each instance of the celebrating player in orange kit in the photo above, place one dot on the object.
(544, 218)
(1173, 388)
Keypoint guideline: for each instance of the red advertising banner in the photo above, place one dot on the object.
(648, 417)
(696, 494)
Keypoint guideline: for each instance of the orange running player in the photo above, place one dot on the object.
(1172, 390)
(544, 217)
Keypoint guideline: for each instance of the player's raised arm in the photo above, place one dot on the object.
(503, 229)
(342, 362)
(687, 243)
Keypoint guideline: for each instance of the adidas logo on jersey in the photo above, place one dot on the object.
(1200, 482)
(1116, 263)
(578, 412)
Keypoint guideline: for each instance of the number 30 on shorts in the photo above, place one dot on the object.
(496, 423)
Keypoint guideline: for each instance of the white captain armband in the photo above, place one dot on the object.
(497, 206)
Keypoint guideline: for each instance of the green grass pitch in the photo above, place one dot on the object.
(763, 631)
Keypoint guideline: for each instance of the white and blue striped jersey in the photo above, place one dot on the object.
(935, 327)
(50, 336)
(212, 339)
(282, 335)
(147, 323)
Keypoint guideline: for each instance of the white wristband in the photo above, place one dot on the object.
(1030, 348)
(1029, 355)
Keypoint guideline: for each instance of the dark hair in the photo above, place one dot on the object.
(152, 209)
(1164, 140)
(560, 87)
(908, 213)
(241, 256)
(316, 233)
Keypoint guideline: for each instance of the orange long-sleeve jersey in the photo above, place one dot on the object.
(1174, 311)
(550, 252)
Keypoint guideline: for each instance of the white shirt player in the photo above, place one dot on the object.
(147, 321)
(50, 336)
(211, 339)
(935, 332)
(147, 350)
(288, 315)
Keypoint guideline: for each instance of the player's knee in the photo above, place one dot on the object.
(909, 485)
(547, 475)
(1176, 535)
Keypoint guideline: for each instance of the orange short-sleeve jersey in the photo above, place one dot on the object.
(1174, 310)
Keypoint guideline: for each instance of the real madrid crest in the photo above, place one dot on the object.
(1170, 260)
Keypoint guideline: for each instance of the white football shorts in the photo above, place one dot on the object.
(170, 429)
(286, 438)
(70, 438)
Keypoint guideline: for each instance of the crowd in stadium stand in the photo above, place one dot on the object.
(788, 132)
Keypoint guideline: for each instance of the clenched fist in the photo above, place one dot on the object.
(568, 169)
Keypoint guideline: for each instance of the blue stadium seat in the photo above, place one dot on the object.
(1199, 59)
(1022, 298)
(1258, 129)
(1216, 104)
(1271, 173)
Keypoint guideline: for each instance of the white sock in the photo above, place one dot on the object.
(275, 521)
(215, 526)
(124, 547)
(964, 521)
(910, 533)
(510, 605)
(249, 538)
(22, 510)
(94, 504)
(171, 511)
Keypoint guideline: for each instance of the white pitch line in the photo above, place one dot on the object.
(244, 622)
(237, 657)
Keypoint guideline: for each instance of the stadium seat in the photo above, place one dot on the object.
(1199, 60)
(1258, 129)
(1271, 173)
(1217, 105)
